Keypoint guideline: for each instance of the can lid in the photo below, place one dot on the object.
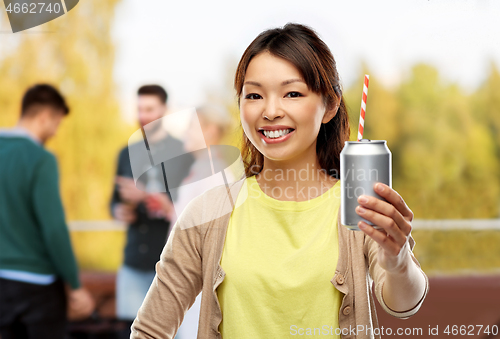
(365, 141)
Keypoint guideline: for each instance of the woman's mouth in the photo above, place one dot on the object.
(275, 136)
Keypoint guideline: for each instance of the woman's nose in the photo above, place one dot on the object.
(272, 109)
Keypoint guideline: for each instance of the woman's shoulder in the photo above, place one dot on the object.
(212, 204)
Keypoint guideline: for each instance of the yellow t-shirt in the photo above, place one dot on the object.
(279, 257)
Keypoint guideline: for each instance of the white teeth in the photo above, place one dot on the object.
(277, 133)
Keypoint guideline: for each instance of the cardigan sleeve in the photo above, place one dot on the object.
(377, 273)
(177, 282)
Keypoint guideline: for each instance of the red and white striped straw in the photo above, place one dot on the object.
(363, 108)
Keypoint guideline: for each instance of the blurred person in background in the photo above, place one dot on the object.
(139, 205)
(215, 122)
(39, 280)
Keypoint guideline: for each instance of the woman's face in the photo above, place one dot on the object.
(274, 88)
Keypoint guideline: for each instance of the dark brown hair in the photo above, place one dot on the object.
(300, 45)
(42, 95)
(154, 90)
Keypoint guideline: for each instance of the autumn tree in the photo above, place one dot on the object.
(76, 54)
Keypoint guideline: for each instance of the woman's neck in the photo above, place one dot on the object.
(298, 180)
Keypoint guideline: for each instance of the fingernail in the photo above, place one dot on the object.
(361, 225)
(380, 187)
(362, 199)
(361, 210)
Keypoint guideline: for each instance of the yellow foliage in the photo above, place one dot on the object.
(98, 250)
(78, 58)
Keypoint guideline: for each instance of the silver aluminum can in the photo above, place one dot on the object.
(362, 164)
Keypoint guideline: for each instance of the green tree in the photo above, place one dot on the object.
(486, 108)
(445, 160)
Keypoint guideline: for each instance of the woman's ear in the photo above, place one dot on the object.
(331, 111)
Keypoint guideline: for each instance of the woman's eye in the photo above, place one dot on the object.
(294, 94)
(252, 96)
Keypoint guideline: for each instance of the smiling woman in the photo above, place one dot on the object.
(278, 260)
(310, 83)
(273, 108)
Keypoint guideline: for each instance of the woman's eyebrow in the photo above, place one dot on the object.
(284, 83)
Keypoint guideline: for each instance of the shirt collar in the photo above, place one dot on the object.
(19, 131)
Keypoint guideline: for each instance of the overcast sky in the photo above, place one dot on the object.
(189, 47)
(192, 47)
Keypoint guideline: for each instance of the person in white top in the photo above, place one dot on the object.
(215, 123)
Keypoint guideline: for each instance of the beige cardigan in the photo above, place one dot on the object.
(190, 264)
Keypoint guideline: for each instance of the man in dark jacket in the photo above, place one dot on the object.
(37, 262)
(146, 207)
